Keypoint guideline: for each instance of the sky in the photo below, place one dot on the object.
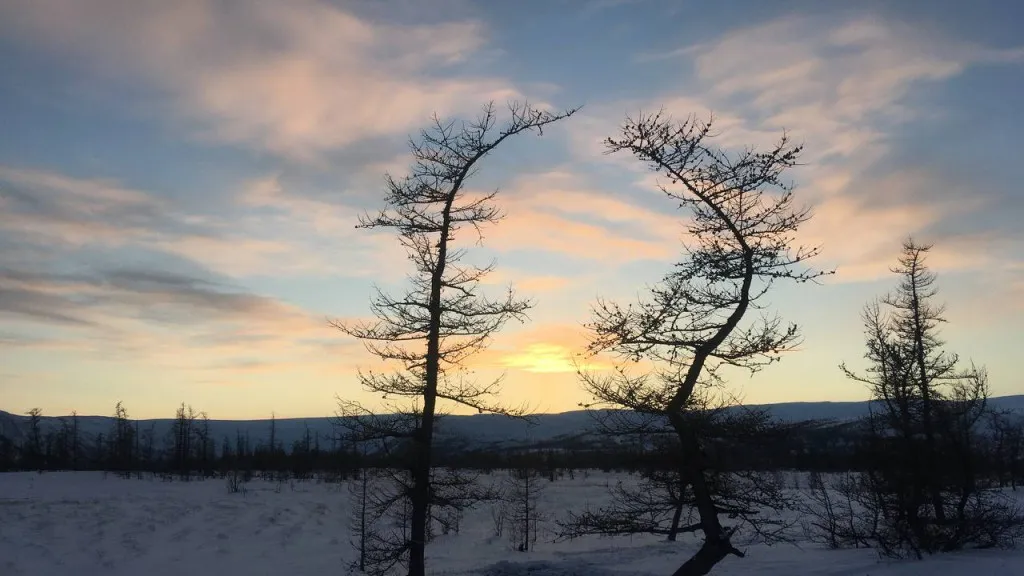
(180, 182)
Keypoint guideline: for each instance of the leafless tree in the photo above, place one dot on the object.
(122, 442)
(141, 463)
(430, 329)
(273, 433)
(75, 441)
(522, 512)
(924, 441)
(661, 501)
(33, 448)
(360, 522)
(839, 512)
(182, 432)
(203, 444)
(696, 320)
(1006, 451)
(147, 448)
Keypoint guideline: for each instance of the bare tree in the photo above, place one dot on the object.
(75, 441)
(360, 521)
(33, 447)
(1006, 447)
(141, 463)
(61, 450)
(924, 441)
(273, 432)
(203, 444)
(182, 431)
(694, 322)
(147, 448)
(524, 513)
(442, 319)
(839, 512)
(661, 501)
(122, 442)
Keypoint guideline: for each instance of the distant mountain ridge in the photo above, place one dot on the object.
(471, 431)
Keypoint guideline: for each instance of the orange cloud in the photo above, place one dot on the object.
(526, 283)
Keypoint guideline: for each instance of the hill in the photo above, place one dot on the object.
(473, 431)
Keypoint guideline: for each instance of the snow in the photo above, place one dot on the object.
(84, 523)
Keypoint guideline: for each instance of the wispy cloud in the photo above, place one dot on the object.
(275, 231)
(56, 210)
(268, 230)
(841, 85)
(119, 274)
(91, 298)
(168, 319)
(843, 88)
(295, 78)
(560, 212)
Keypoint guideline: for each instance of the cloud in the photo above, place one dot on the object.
(115, 274)
(160, 296)
(862, 232)
(844, 88)
(543, 283)
(268, 230)
(840, 85)
(53, 209)
(296, 78)
(559, 212)
(168, 321)
(525, 282)
(276, 230)
(593, 7)
(38, 306)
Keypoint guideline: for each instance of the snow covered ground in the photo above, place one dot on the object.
(84, 524)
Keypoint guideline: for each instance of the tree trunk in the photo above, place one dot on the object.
(716, 540)
(926, 404)
(423, 439)
(678, 513)
(701, 563)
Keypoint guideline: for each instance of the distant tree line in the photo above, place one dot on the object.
(189, 450)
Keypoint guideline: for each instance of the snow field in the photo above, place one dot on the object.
(82, 523)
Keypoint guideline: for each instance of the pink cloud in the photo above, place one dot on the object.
(294, 78)
(558, 212)
(840, 87)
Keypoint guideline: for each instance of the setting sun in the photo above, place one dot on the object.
(546, 358)
(542, 358)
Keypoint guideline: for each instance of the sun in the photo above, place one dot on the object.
(544, 358)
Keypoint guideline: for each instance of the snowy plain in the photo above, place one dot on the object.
(85, 523)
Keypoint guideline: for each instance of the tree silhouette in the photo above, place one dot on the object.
(430, 329)
(925, 444)
(695, 321)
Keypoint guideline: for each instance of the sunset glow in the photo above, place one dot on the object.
(180, 183)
